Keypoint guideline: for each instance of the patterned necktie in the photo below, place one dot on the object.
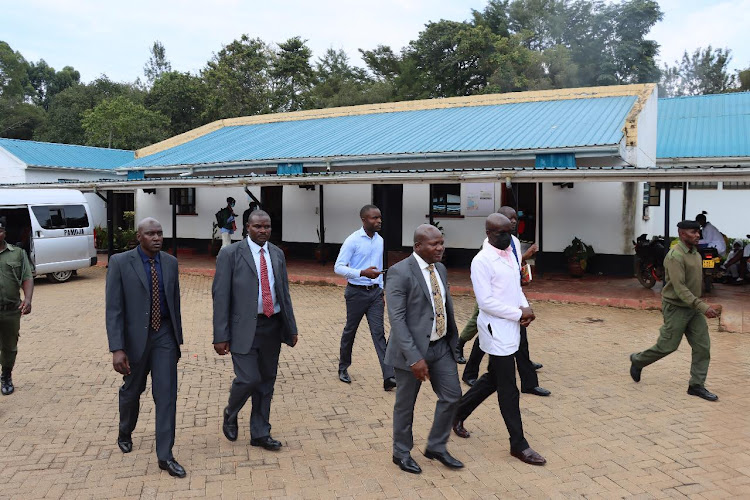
(437, 297)
(155, 301)
(265, 287)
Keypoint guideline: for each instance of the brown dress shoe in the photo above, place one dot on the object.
(458, 428)
(529, 456)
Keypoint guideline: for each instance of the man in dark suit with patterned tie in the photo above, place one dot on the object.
(144, 329)
(252, 317)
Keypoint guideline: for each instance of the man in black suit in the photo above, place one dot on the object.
(422, 347)
(144, 329)
(253, 315)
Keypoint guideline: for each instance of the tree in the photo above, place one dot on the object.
(14, 81)
(122, 124)
(238, 79)
(18, 118)
(181, 97)
(706, 71)
(338, 83)
(157, 64)
(47, 82)
(744, 78)
(292, 76)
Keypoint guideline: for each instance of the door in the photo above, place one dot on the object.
(389, 198)
(270, 200)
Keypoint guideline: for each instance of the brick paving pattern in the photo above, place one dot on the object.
(603, 435)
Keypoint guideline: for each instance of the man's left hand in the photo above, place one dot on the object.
(294, 340)
(25, 307)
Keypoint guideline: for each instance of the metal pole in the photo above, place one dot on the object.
(684, 198)
(110, 226)
(174, 229)
(666, 212)
(432, 212)
(539, 218)
(322, 226)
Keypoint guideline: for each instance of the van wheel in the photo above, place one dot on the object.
(59, 277)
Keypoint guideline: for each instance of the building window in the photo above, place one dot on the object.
(446, 199)
(651, 194)
(735, 185)
(184, 199)
(703, 185)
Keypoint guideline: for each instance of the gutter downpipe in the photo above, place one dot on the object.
(110, 227)
(684, 198)
(666, 211)
(174, 230)
(540, 201)
(322, 226)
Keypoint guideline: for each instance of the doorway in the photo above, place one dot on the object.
(389, 198)
(271, 201)
(522, 197)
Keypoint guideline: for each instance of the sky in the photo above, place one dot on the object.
(114, 38)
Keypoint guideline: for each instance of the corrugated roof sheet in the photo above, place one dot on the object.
(704, 126)
(47, 154)
(575, 123)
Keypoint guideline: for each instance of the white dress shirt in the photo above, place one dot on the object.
(497, 287)
(424, 266)
(713, 238)
(359, 252)
(255, 250)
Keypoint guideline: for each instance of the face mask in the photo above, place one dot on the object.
(503, 241)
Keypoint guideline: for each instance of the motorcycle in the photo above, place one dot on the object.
(710, 260)
(649, 260)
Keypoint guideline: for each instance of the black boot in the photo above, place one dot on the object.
(460, 352)
(6, 383)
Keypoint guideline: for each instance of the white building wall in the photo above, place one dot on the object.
(11, 170)
(300, 214)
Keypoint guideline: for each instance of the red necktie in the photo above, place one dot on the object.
(265, 287)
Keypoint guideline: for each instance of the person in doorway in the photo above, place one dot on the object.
(711, 237)
(225, 220)
(144, 330)
(360, 261)
(15, 275)
(684, 312)
(503, 311)
(246, 214)
(422, 347)
(252, 316)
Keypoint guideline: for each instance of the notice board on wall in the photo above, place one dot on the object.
(480, 199)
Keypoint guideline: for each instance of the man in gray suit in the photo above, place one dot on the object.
(422, 346)
(144, 330)
(252, 316)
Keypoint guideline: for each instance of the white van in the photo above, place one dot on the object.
(54, 226)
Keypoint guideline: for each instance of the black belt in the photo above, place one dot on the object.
(273, 316)
(365, 287)
(9, 307)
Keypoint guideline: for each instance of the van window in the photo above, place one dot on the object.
(61, 216)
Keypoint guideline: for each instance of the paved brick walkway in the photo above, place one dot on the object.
(603, 435)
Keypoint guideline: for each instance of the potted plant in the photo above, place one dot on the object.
(578, 254)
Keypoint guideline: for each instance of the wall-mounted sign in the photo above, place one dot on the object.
(480, 199)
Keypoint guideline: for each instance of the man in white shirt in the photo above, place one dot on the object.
(710, 236)
(503, 310)
(360, 261)
(422, 347)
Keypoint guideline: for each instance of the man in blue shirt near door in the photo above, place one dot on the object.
(360, 260)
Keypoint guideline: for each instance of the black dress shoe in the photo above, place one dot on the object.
(344, 377)
(537, 391)
(125, 442)
(408, 465)
(469, 381)
(389, 383)
(172, 467)
(702, 392)
(459, 429)
(444, 458)
(635, 372)
(537, 366)
(266, 442)
(6, 384)
(529, 456)
(460, 352)
(229, 426)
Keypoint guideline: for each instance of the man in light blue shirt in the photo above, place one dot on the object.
(360, 261)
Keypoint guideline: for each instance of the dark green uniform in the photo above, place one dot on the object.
(14, 270)
(683, 312)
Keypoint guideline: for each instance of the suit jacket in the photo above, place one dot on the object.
(128, 302)
(235, 294)
(411, 314)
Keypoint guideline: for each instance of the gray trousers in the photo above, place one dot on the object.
(159, 359)
(255, 376)
(359, 303)
(444, 380)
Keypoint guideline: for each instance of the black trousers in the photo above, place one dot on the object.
(500, 377)
(159, 359)
(526, 371)
(255, 376)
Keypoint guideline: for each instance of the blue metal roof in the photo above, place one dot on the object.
(47, 154)
(574, 123)
(704, 126)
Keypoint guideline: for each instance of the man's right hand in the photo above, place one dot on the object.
(120, 362)
(221, 348)
(371, 272)
(712, 313)
(420, 371)
(527, 314)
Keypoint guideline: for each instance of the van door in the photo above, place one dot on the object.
(62, 237)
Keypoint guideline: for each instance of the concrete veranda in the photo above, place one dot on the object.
(603, 435)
